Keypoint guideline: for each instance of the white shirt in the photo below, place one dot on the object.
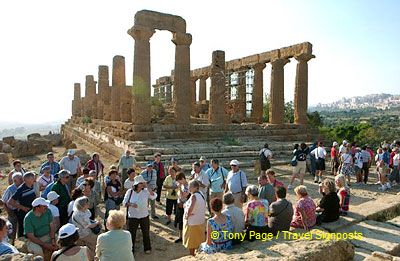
(346, 158)
(202, 178)
(359, 159)
(267, 152)
(236, 181)
(44, 181)
(237, 217)
(71, 207)
(71, 165)
(396, 159)
(319, 152)
(342, 149)
(128, 184)
(54, 210)
(199, 210)
(141, 199)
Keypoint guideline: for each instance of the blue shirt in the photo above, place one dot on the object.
(8, 194)
(206, 167)
(386, 158)
(150, 178)
(47, 190)
(6, 248)
(217, 178)
(54, 167)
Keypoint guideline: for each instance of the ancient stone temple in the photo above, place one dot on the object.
(122, 114)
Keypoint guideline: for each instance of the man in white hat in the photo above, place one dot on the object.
(71, 163)
(203, 164)
(236, 183)
(39, 228)
(127, 161)
(342, 148)
(52, 197)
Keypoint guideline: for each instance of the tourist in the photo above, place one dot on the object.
(73, 164)
(304, 211)
(67, 239)
(218, 226)
(136, 200)
(12, 211)
(343, 146)
(358, 166)
(194, 222)
(130, 180)
(335, 158)
(76, 193)
(95, 164)
(204, 166)
(280, 212)
(54, 165)
(236, 215)
(81, 219)
(114, 193)
(22, 200)
(46, 178)
(319, 153)
(49, 187)
(127, 161)
(299, 170)
(256, 213)
(62, 189)
(17, 168)
(5, 247)
(172, 194)
(379, 163)
(329, 205)
(85, 174)
(347, 165)
(367, 159)
(217, 178)
(116, 244)
(39, 229)
(174, 164)
(394, 175)
(272, 179)
(343, 194)
(150, 176)
(266, 190)
(236, 183)
(385, 169)
(52, 197)
(199, 175)
(97, 184)
(182, 198)
(159, 167)
(265, 157)
(313, 162)
(87, 188)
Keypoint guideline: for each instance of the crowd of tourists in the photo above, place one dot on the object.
(57, 208)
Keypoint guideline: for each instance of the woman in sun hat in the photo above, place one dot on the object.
(67, 237)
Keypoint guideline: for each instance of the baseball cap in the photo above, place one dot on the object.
(138, 179)
(16, 174)
(47, 167)
(63, 173)
(67, 230)
(202, 158)
(334, 144)
(40, 202)
(52, 196)
(196, 164)
(71, 152)
(234, 163)
(150, 164)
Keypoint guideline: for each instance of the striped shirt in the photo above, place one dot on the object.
(8, 194)
(54, 167)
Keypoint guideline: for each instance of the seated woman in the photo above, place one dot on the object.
(5, 247)
(256, 213)
(343, 194)
(304, 211)
(219, 222)
(67, 237)
(329, 205)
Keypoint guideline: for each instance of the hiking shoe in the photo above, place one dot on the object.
(388, 186)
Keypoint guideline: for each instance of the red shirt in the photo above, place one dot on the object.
(333, 153)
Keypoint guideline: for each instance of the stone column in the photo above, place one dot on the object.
(168, 92)
(277, 94)
(90, 97)
(203, 88)
(193, 95)
(76, 103)
(118, 82)
(241, 92)
(141, 107)
(216, 109)
(103, 91)
(156, 88)
(258, 94)
(228, 74)
(301, 89)
(182, 43)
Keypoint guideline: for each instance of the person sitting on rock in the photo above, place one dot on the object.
(236, 215)
(52, 197)
(266, 190)
(256, 213)
(343, 194)
(62, 189)
(329, 204)
(5, 247)
(39, 229)
(280, 212)
(304, 212)
(17, 168)
(272, 180)
(46, 178)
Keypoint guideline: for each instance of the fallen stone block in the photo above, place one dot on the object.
(9, 140)
(3, 158)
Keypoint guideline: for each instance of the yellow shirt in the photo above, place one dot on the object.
(169, 182)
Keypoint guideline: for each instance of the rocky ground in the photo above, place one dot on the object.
(365, 203)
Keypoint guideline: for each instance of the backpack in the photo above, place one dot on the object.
(264, 160)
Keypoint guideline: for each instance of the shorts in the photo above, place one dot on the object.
(320, 164)
(170, 205)
(300, 168)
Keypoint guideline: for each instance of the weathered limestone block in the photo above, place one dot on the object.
(9, 140)
(33, 136)
(6, 148)
(379, 256)
(3, 158)
(216, 111)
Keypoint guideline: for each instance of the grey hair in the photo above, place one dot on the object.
(228, 198)
(80, 203)
(252, 190)
(194, 184)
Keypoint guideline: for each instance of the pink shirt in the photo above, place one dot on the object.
(308, 206)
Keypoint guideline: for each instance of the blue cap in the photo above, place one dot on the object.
(150, 164)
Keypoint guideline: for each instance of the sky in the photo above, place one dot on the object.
(48, 45)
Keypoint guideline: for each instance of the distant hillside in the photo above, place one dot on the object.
(378, 101)
(21, 130)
